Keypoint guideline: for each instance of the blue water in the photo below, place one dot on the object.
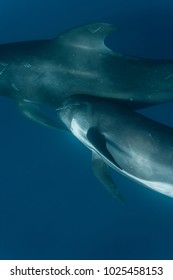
(51, 205)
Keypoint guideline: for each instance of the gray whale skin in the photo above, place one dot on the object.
(132, 144)
(78, 62)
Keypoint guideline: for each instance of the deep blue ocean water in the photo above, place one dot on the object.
(51, 205)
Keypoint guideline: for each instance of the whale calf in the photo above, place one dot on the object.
(79, 63)
(130, 143)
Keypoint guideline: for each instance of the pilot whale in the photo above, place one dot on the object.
(79, 63)
(127, 141)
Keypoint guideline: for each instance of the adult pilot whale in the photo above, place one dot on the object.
(132, 144)
(78, 62)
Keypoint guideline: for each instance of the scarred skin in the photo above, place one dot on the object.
(78, 62)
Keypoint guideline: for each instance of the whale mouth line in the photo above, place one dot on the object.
(66, 107)
(62, 108)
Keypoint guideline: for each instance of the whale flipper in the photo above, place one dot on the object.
(33, 112)
(99, 142)
(101, 171)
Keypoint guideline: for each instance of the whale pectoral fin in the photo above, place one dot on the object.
(99, 142)
(33, 112)
(101, 171)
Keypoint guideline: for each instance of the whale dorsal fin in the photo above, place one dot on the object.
(89, 36)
